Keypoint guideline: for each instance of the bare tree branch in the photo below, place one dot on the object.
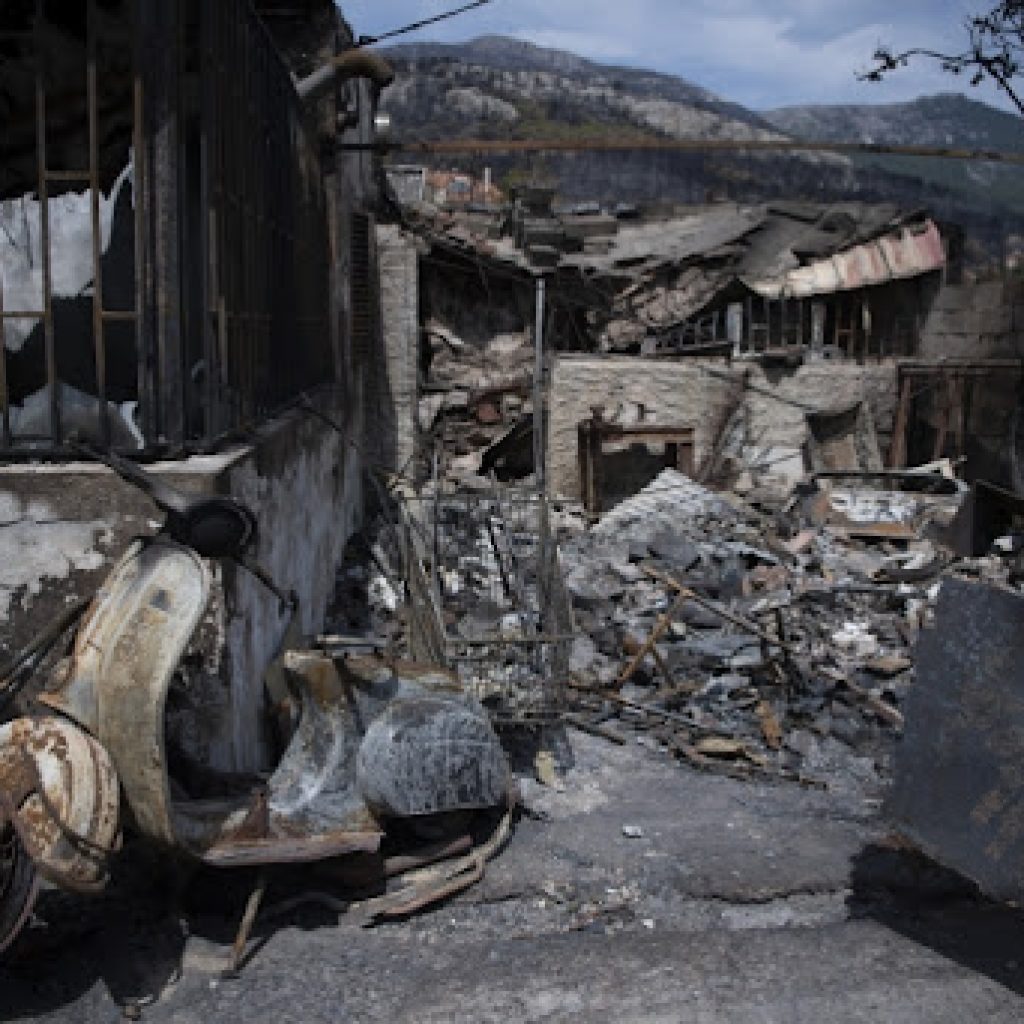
(994, 51)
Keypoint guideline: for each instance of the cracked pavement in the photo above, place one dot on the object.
(730, 901)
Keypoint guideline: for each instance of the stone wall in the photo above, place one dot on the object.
(62, 526)
(975, 321)
(698, 393)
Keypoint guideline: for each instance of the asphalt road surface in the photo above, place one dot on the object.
(727, 901)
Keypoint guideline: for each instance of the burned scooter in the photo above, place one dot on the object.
(367, 742)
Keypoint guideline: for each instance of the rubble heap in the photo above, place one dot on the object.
(737, 649)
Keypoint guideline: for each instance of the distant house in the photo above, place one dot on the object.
(457, 189)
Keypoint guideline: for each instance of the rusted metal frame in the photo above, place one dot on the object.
(159, 64)
(250, 238)
(213, 220)
(223, 208)
(264, 282)
(44, 232)
(266, 215)
(99, 341)
(957, 397)
(943, 395)
(269, 222)
(172, 382)
(266, 109)
(279, 185)
(225, 284)
(239, 256)
(250, 251)
(143, 337)
(226, 128)
(898, 449)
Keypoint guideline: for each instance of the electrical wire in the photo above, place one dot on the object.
(416, 25)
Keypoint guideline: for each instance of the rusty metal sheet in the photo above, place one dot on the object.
(62, 796)
(125, 655)
(375, 738)
(311, 808)
(890, 258)
(959, 786)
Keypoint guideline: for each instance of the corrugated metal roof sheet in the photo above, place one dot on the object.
(892, 257)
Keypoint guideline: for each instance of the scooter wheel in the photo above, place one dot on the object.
(19, 885)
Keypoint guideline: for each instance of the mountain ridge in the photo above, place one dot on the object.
(497, 87)
(942, 119)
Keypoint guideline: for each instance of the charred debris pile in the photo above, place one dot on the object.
(763, 644)
(749, 637)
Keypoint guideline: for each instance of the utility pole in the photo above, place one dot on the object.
(538, 387)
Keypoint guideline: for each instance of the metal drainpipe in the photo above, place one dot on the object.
(356, 63)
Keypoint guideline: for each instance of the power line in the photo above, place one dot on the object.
(370, 40)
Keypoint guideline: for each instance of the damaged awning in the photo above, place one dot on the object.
(907, 253)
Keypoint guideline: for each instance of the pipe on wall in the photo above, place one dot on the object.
(356, 63)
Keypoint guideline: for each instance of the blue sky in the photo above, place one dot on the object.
(760, 53)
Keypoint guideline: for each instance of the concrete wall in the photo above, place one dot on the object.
(395, 396)
(975, 321)
(61, 527)
(697, 393)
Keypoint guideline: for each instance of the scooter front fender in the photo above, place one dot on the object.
(125, 655)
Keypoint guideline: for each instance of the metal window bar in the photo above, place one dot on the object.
(46, 175)
(256, 322)
(44, 229)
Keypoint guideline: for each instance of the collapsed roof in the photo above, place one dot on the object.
(653, 276)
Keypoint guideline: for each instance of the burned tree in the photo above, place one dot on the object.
(994, 51)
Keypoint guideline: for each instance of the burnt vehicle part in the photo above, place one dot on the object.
(26, 662)
(959, 770)
(115, 686)
(213, 526)
(59, 813)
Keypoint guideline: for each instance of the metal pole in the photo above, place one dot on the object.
(538, 387)
(44, 229)
(99, 340)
